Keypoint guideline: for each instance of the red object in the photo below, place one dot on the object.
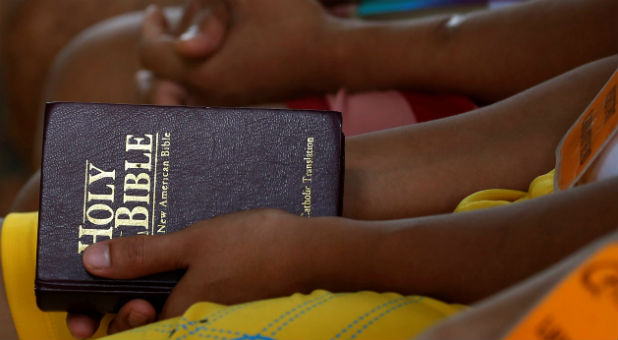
(370, 111)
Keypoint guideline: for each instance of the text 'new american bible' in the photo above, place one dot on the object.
(114, 170)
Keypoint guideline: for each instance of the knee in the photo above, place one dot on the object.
(98, 64)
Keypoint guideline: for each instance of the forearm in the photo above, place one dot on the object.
(466, 256)
(489, 55)
(428, 168)
(494, 317)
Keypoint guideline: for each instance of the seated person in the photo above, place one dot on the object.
(483, 55)
(32, 32)
(485, 251)
(543, 306)
(502, 145)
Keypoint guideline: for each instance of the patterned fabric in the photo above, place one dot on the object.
(319, 315)
(18, 268)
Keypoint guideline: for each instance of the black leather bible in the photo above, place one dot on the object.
(114, 170)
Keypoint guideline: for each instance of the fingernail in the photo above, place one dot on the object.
(97, 256)
(136, 319)
(143, 78)
(190, 33)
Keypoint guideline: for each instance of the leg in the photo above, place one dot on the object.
(492, 318)
(98, 65)
(34, 32)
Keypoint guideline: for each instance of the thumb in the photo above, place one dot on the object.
(206, 32)
(135, 256)
(157, 48)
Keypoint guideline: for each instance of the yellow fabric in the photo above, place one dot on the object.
(319, 315)
(540, 186)
(18, 267)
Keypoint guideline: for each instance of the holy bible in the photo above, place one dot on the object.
(115, 170)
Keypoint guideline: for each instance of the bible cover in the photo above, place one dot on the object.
(113, 170)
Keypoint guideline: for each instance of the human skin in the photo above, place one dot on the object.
(487, 319)
(494, 317)
(451, 184)
(568, 40)
(501, 145)
(98, 65)
(442, 161)
(487, 55)
(460, 257)
(32, 33)
(405, 246)
(501, 245)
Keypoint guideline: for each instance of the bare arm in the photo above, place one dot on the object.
(468, 256)
(248, 52)
(428, 168)
(457, 257)
(488, 55)
(494, 317)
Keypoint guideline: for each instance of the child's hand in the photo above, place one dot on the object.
(243, 52)
(229, 259)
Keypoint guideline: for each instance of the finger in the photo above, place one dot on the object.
(166, 92)
(188, 13)
(136, 256)
(157, 49)
(82, 326)
(144, 81)
(206, 32)
(159, 91)
(134, 313)
(159, 56)
(154, 22)
(187, 291)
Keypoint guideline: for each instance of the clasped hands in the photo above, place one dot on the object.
(232, 52)
(238, 52)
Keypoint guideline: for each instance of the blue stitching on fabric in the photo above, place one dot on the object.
(372, 311)
(253, 337)
(302, 306)
(414, 299)
(295, 316)
(211, 318)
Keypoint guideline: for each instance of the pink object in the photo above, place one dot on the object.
(371, 111)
